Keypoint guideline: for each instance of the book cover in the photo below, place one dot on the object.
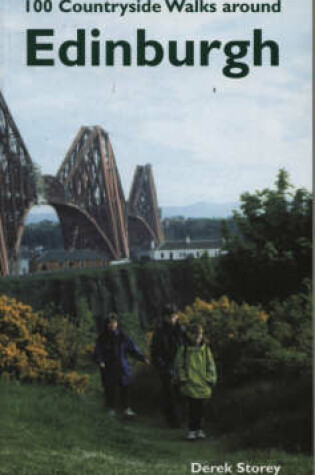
(133, 124)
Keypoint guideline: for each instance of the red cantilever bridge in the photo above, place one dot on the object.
(86, 193)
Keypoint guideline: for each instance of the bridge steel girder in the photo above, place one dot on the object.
(4, 263)
(86, 193)
(17, 187)
(143, 212)
(91, 182)
(81, 231)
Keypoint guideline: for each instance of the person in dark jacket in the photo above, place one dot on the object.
(113, 347)
(168, 336)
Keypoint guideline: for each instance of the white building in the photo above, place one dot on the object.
(180, 250)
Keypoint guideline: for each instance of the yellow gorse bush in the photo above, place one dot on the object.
(237, 333)
(224, 319)
(223, 306)
(24, 352)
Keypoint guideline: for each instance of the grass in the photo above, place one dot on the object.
(47, 430)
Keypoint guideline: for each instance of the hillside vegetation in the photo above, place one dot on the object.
(45, 430)
(255, 305)
(142, 289)
(264, 362)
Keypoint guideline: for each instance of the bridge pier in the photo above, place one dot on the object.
(86, 193)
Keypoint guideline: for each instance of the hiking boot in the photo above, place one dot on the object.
(201, 434)
(192, 435)
(129, 412)
(112, 413)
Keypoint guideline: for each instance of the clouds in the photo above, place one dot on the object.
(203, 145)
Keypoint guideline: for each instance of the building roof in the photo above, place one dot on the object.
(76, 255)
(190, 245)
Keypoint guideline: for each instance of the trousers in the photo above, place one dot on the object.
(115, 392)
(170, 400)
(196, 408)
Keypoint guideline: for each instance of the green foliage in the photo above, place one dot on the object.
(291, 325)
(266, 413)
(273, 221)
(203, 272)
(138, 288)
(87, 324)
(273, 254)
(47, 431)
(238, 336)
(178, 228)
(249, 343)
(71, 340)
(46, 234)
(264, 365)
(63, 337)
(129, 323)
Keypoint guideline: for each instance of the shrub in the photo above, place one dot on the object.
(238, 336)
(264, 362)
(71, 340)
(291, 325)
(31, 348)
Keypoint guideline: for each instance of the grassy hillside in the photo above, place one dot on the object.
(46, 430)
(135, 288)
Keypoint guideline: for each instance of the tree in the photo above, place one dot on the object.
(272, 255)
(45, 233)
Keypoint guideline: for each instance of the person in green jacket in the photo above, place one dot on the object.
(196, 371)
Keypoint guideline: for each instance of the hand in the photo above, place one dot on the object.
(102, 365)
(146, 361)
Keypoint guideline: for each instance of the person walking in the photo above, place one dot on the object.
(168, 336)
(197, 375)
(113, 347)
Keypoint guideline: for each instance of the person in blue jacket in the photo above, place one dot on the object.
(113, 347)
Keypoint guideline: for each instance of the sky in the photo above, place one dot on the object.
(208, 137)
